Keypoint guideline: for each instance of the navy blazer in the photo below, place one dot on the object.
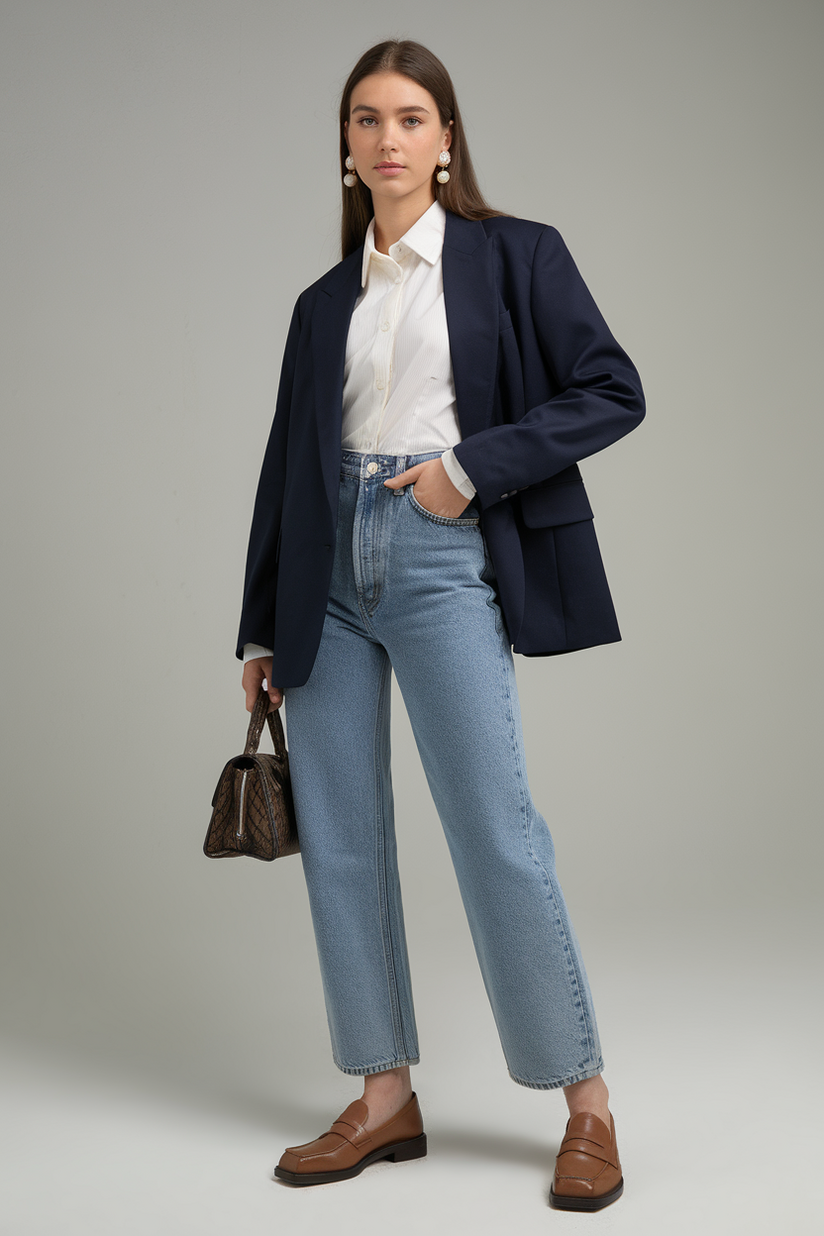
(540, 383)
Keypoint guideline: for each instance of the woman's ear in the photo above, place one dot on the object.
(447, 141)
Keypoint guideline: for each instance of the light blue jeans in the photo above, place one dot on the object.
(414, 592)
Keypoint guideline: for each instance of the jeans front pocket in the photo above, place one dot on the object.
(460, 522)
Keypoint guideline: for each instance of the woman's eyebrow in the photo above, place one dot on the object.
(365, 107)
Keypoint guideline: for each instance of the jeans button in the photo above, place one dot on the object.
(372, 467)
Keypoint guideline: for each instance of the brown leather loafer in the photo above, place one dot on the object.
(587, 1170)
(347, 1148)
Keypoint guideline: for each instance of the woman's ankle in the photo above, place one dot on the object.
(385, 1093)
(589, 1095)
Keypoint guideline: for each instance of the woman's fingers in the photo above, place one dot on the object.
(408, 477)
(255, 673)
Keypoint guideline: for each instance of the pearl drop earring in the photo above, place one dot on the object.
(443, 159)
(350, 179)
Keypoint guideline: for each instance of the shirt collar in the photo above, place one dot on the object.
(425, 237)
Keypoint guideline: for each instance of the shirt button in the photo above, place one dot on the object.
(372, 468)
(379, 385)
(384, 326)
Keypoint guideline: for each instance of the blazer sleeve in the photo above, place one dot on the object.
(599, 396)
(260, 583)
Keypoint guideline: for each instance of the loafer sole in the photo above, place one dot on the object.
(560, 1201)
(398, 1152)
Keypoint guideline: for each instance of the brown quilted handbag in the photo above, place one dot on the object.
(252, 808)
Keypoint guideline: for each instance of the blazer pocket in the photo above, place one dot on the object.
(548, 505)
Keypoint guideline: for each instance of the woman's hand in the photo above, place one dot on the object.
(254, 673)
(432, 488)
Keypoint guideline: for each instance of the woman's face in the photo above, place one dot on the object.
(394, 135)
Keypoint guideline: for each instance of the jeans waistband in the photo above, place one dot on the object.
(358, 463)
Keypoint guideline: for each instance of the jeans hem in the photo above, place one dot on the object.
(367, 1069)
(532, 1084)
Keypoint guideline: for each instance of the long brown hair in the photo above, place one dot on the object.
(461, 193)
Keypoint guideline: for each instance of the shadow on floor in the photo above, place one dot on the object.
(495, 1148)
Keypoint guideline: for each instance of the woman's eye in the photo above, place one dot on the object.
(369, 122)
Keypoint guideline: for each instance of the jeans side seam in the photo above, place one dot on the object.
(492, 600)
(572, 973)
(380, 865)
(528, 819)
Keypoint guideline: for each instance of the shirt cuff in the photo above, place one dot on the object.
(250, 651)
(457, 475)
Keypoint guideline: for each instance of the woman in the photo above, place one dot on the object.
(420, 510)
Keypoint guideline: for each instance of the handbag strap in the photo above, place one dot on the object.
(260, 714)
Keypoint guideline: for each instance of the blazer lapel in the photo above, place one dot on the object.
(330, 326)
(471, 299)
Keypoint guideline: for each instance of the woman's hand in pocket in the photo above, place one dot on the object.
(255, 673)
(432, 488)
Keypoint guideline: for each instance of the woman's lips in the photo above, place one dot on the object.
(389, 169)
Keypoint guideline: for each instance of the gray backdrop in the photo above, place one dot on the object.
(170, 184)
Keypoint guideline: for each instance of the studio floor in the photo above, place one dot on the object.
(709, 1144)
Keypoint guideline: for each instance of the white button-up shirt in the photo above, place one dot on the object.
(398, 390)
